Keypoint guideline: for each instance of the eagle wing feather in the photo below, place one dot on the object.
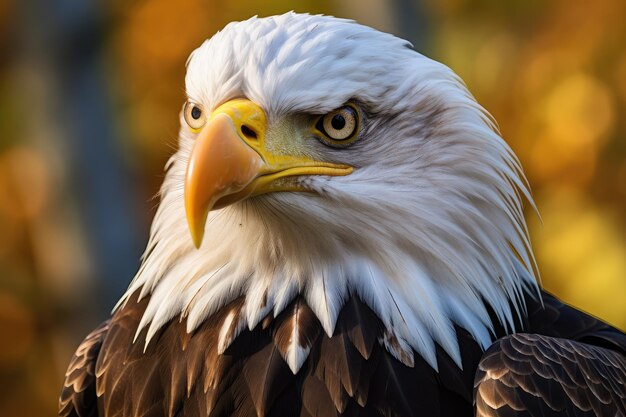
(568, 362)
(534, 375)
(78, 395)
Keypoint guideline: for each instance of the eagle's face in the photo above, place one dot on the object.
(324, 158)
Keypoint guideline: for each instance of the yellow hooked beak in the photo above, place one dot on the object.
(229, 162)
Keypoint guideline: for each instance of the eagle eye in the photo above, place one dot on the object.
(340, 127)
(194, 115)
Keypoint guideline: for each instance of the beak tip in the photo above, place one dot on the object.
(196, 229)
(197, 235)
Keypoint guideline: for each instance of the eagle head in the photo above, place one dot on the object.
(324, 159)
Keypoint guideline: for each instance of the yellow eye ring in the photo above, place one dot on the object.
(340, 127)
(194, 115)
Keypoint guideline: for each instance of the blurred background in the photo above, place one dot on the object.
(89, 99)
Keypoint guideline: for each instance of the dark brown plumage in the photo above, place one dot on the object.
(534, 375)
(78, 397)
(349, 374)
(573, 365)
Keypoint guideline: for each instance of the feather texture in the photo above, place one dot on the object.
(534, 375)
(295, 331)
(78, 396)
(183, 374)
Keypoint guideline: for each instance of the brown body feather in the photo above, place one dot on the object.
(348, 374)
(572, 365)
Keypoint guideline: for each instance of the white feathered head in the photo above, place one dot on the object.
(324, 158)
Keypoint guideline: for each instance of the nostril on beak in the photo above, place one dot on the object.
(248, 132)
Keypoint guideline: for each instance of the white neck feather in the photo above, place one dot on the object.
(420, 270)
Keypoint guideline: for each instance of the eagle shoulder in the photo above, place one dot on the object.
(554, 318)
(78, 395)
(535, 375)
(568, 363)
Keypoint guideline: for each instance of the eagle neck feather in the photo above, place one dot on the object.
(419, 292)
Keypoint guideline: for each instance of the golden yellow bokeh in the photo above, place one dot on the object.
(579, 243)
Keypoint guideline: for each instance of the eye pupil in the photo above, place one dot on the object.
(338, 122)
(196, 113)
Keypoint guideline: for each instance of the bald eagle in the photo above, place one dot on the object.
(340, 233)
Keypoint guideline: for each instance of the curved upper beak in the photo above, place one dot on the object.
(229, 162)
